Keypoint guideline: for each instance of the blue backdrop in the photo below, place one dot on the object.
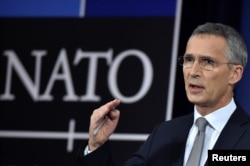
(243, 88)
(93, 8)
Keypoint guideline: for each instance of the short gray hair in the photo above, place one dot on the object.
(237, 50)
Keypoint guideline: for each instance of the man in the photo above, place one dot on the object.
(213, 63)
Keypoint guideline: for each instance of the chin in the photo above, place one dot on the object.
(196, 100)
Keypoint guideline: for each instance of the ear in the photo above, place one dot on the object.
(236, 74)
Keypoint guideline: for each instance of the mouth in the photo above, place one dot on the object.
(193, 88)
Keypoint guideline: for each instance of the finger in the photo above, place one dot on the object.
(112, 104)
(114, 114)
(105, 109)
(102, 112)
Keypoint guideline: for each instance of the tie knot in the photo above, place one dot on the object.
(201, 123)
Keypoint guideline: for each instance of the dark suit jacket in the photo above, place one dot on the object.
(166, 144)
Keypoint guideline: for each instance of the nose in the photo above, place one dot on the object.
(195, 69)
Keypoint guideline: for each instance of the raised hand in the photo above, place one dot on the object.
(103, 123)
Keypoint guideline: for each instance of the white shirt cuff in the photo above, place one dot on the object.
(86, 150)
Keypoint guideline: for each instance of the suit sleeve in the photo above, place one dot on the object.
(141, 156)
(101, 156)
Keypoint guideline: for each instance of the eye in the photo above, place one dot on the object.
(207, 61)
(188, 59)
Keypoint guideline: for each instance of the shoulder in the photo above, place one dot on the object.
(179, 121)
(240, 117)
(174, 126)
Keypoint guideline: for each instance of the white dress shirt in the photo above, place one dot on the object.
(217, 120)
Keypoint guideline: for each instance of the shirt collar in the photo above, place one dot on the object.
(218, 118)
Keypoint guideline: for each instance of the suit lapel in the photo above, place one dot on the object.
(186, 128)
(233, 131)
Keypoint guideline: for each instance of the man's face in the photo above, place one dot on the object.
(208, 88)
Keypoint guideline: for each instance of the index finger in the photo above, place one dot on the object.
(106, 108)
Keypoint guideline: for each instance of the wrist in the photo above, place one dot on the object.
(86, 150)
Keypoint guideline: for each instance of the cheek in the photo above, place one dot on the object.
(185, 75)
(217, 84)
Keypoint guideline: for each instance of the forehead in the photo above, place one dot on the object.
(207, 45)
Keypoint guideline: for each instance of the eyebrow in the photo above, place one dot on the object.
(200, 56)
(188, 55)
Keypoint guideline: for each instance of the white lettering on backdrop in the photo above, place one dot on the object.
(62, 72)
